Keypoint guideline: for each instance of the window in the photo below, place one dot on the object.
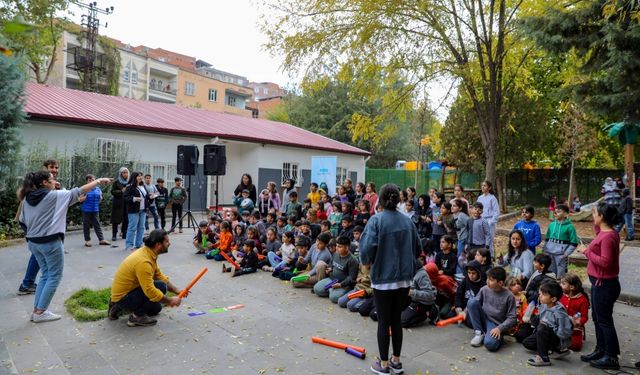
(341, 175)
(152, 85)
(125, 74)
(112, 150)
(256, 90)
(213, 95)
(134, 76)
(189, 88)
(265, 91)
(290, 170)
(231, 100)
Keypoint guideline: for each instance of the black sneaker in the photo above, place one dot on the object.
(114, 311)
(141, 321)
(396, 367)
(22, 291)
(606, 363)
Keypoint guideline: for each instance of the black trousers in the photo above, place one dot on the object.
(162, 214)
(414, 314)
(91, 219)
(389, 306)
(124, 225)
(604, 294)
(139, 303)
(542, 340)
(176, 212)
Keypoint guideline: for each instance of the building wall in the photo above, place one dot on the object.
(133, 62)
(200, 99)
(154, 149)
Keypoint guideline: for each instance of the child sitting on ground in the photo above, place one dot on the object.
(325, 226)
(468, 289)
(428, 251)
(249, 262)
(562, 240)
(514, 284)
(423, 298)
(355, 244)
(541, 264)
(363, 282)
(446, 259)
(284, 256)
(576, 301)
(254, 221)
(492, 312)
(445, 286)
(204, 239)
(554, 328)
(364, 214)
(317, 258)
(252, 234)
(281, 225)
(342, 273)
(272, 245)
(223, 244)
(335, 218)
(239, 237)
(346, 229)
(483, 256)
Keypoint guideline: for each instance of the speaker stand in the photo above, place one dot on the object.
(187, 214)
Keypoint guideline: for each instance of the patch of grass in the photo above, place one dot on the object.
(88, 305)
(580, 271)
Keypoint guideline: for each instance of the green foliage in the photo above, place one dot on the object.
(605, 50)
(88, 305)
(39, 47)
(12, 117)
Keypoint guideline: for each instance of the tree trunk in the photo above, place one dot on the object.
(572, 183)
(501, 189)
(490, 162)
(628, 166)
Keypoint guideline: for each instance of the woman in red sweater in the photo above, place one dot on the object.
(603, 268)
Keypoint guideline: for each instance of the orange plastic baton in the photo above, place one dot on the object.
(193, 282)
(358, 294)
(455, 319)
(335, 344)
(228, 258)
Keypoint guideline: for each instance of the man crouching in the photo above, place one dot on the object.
(139, 285)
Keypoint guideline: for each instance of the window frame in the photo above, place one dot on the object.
(215, 98)
(108, 148)
(189, 88)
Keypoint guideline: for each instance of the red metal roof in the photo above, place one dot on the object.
(66, 105)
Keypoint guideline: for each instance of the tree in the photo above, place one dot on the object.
(602, 37)
(468, 40)
(40, 47)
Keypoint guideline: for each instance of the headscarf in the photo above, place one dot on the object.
(121, 180)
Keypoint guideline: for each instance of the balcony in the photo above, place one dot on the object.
(161, 90)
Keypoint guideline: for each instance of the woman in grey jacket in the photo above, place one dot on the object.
(390, 244)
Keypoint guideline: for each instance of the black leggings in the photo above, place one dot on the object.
(389, 305)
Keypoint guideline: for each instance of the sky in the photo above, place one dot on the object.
(223, 33)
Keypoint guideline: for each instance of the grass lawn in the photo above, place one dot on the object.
(88, 305)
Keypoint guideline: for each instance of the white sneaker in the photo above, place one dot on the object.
(46, 316)
(478, 339)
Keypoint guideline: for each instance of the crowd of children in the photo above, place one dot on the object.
(315, 245)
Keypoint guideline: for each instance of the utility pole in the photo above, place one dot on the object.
(87, 61)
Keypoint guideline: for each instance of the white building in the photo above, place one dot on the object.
(151, 132)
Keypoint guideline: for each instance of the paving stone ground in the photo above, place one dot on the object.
(272, 334)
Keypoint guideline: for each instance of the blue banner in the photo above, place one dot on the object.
(323, 172)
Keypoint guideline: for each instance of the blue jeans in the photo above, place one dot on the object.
(352, 304)
(275, 260)
(50, 257)
(140, 304)
(135, 230)
(628, 222)
(479, 321)
(32, 272)
(333, 294)
(156, 221)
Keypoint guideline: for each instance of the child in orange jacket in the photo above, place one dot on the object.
(223, 244)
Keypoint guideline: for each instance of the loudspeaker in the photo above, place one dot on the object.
(188, 156)
(215, 160)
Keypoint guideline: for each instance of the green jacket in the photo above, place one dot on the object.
(563, 232)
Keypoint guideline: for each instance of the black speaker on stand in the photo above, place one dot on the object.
(215, 163)
(187, 164)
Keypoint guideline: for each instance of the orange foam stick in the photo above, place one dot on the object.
(358, 294)
(261, 257)
(193, 282)
(336, 344)
(228, 258)
(455, 319)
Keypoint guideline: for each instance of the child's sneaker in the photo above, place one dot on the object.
(377, 368)
(477, 340)
(538, 361)
(396, 367)
(560, 354)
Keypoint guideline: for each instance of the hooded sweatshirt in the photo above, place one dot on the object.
(44, 214)
(443, 284)
(531, 231)
(558, 320)
(561, 238)
(422, 291)
(469, 289)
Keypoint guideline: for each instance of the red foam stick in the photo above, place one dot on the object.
(193, 282)
(228, 258)
(455, 319)
(336, 344)
(261, 257)
(358, 294)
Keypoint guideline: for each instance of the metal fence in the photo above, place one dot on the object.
(523, 186)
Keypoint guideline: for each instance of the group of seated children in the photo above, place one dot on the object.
(545, 315)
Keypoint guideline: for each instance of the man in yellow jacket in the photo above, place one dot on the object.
(139, 285)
